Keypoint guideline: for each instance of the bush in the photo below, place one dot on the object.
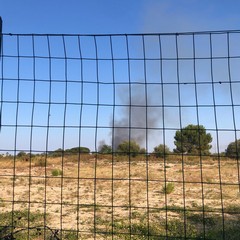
(21, 154)
(77, 150)
(105, 149)
(56, 153)
(57, 172)
(169, 188)
(129, 148)
(233, 149)
(143, 151)
(161, 151)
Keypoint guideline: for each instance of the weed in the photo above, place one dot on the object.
(167, 166)
(143, 231)
(233, 208)
(20, 220)
(2, 203)
(176, 228)
(40, 162)
(152, 230)
(57, 172)
(19, 227)
(70, 235)
(168, 188)
(40, 189)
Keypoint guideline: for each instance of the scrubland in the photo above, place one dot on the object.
(118, 197)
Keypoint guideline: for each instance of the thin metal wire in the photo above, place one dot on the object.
(198, 123)
(112, 160)
(146, 133)
(1, 45)
(129, 124)
(233, 108)
(79, 138)
(99, 87)
(181, 127)
(217, 136)
(128, 34)
(95, 142)
(48, 132)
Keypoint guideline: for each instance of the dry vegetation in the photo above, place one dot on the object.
(97, 196)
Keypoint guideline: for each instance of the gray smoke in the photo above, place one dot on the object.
(137, 115)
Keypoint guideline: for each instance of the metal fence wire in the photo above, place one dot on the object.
(132, 136)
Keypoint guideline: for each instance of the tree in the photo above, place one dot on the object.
(233, 149)
(143, 151)
(161, 150)
(21, 154)
(77, 150)
(193, 139)
(56, 153)
(105, 149)
(130, 148)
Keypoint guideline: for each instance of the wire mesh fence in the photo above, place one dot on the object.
(120, 136)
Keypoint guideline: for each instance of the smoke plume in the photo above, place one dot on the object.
(136, 117)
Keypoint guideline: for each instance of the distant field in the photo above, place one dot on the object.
(103, 195)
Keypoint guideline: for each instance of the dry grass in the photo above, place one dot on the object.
(92, 189)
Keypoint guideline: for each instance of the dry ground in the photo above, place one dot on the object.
(90, 193)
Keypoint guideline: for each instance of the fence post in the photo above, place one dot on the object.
(2, 79)
(0, 35)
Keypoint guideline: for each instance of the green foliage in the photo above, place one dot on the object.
(161, 151)
(142, 231)
(2, 203)
(193, 139)
(176, 227)
(105, 149)
(57, 172)
(10, 221)
(155, 230)
(214, 226)
(143, 151)
(30, 225)
(21, 154)
(233, 149)
(129, 148)
(76, 150)
(57, 153)
(169, 188)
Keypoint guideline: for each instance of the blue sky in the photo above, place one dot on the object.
(114, 16)
(108, 17)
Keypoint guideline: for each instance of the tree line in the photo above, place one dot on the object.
(190, 140)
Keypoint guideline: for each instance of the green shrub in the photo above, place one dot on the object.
(161, 151)
(2, 203)
(130, 148)
(57, 172)
(77, 150)
(105, 149)
(21, 154)
(168, 188)
(233, 149)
